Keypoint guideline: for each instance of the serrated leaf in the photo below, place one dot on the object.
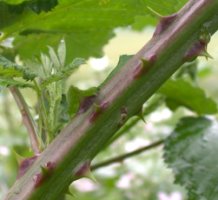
(6, 82)
(46, 67)
(63, 73)
(19, 6)
(42, 5)
(86, 25)
(54, 58)
(191, 152)
(165, 7)
(9, 69)
(13, 2)
(58, 59)
(62, 52)
(10, 72)
(182, 93)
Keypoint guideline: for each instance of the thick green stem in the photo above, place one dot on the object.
(157, 101)
(177, 39)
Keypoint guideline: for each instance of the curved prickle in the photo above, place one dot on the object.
(143, 67)
(164, 23)
(25, 165)
(38, 179)
(86, 103)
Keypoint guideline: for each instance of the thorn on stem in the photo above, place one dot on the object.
(50, 165)
(46, 171)
(152, 58)
(38, 179)
(104, 105)
(83, 169)
(25, 165)
(48, 168)
(154, 13)
(143, 67)
(164, 23)
(98, 110)
(94, 115)
(123, 115)
(206, 55)
(198, 49)
(86, 103)
(141, 116)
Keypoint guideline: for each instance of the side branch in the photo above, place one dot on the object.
(126, 156)
(27, 119)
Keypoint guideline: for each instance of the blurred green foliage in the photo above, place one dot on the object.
(191, 152)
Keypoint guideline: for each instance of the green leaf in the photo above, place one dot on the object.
(162, 7)
(58, 59)
(89, 92)
(54, 58)
(62, 52)
(142, 21)
(9, 69)
(6, 82)
(122, 61)
(85, 25)
(42, 5)
(73, 99)
(182, 93)
(63, 111)
(75, 96)
(35, 5)
(191, 152)
(13, 2)
(64, 72)
(165, 7)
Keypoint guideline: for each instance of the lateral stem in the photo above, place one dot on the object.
(27, 119)
(126, 156)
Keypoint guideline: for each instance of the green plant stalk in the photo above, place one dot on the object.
(70, 153)
(157, 101)
(42, 127)
(27, 119)
(123, 157)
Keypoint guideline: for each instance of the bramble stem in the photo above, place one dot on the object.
(122, 97)
(149, 108)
